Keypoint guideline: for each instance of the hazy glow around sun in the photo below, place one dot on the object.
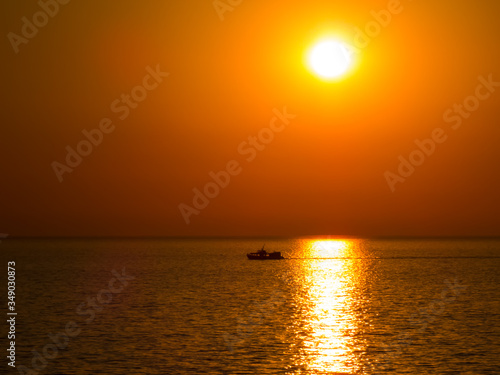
(329, 59)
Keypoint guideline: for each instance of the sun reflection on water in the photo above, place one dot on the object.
(328, 248)
(329, 298)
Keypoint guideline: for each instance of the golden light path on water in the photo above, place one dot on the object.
(331, 322)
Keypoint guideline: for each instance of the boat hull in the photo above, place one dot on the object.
(268, 256)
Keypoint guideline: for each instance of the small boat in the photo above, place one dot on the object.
(264, 255)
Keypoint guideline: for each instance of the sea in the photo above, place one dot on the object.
(199, 306)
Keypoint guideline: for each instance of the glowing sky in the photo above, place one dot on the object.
(180, 89)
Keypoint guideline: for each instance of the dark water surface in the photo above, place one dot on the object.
(200, 307)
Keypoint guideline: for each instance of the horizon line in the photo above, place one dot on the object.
(304, 236)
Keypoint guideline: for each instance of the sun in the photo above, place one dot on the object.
(329, 59)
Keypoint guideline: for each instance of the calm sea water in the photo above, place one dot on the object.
(350, 306)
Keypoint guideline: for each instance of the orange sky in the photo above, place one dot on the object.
(324, 173)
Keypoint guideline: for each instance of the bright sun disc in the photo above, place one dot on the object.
(329, 59)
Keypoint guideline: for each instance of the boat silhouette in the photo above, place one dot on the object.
(264, 255)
